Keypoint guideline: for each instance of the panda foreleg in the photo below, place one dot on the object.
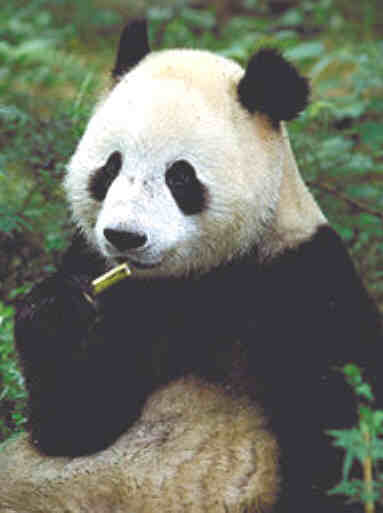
(53, 336)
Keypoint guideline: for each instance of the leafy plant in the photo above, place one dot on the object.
(12, 391)
(363, 445)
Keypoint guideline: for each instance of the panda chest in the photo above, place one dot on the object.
(174, 330)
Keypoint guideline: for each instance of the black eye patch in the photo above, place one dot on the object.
(102, 179)
(189, 193)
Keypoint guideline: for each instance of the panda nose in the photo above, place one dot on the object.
(123, 240)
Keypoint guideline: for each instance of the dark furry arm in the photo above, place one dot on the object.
(60, 347)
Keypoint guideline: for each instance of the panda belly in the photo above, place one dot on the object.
(199, 448)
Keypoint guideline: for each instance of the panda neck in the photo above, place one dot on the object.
(297, 216)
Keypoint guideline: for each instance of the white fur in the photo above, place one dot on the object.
(182, 104)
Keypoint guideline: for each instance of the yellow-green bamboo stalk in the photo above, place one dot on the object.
(369, 506)
(110, 278)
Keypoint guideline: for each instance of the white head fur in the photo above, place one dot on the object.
(183, 105)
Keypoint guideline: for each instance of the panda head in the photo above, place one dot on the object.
(185, 164)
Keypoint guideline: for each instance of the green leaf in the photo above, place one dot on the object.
(316, 109)
(8, 221)
(18, 291)
(366, 220)
(376, 105)
(372, 133)
(378, 420)
(292, 17)
(377, 448)
(364, 191)
(32, 47)
(352, 371)
(348, 488)
(364, 390)
(365, 414)
(199, 19)
(352, 110)
(251, 4)
(305, 51)
(347, 464)
(160, 14)
(335, 148)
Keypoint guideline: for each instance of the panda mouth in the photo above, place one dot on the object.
(137, 263)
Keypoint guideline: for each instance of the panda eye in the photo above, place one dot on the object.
(188, 192)
(102, 179)
(180, 174)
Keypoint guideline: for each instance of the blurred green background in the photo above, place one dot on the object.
(55, 58)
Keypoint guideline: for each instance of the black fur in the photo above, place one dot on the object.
(272, 86)
(134, 46)
(189, 193)
(298, 319)
(102, 178)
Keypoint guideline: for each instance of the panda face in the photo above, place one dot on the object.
(173, 175)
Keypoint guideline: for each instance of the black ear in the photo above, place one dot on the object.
(273, 86)
(134, 45)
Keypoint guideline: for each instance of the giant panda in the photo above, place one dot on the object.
(221, 353)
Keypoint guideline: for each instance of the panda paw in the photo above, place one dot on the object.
(58, 307)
